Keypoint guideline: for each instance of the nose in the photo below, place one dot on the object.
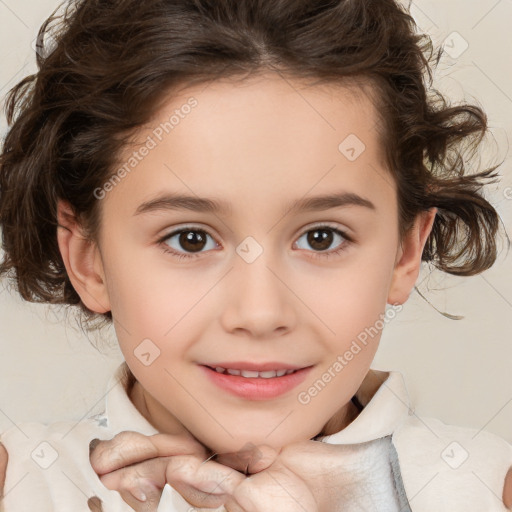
(260, 302)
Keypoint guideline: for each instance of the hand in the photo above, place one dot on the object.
(132, 462)
(306, 476)
(309, 472)
(268, 486)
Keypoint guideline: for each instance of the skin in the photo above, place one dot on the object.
(257, 145)
(311, 473)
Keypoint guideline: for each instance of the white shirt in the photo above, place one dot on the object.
(409, 463)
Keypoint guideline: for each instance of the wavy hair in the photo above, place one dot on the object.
(105, 66)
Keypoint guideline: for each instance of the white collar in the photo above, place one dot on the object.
(386, 406)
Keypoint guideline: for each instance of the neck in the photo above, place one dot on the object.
(342, 419)
(161, 419)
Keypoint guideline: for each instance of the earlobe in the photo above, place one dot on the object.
(82, 260)
(408, 262)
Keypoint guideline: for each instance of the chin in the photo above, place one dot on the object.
(227, 444)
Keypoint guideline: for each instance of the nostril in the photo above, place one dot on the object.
(94, 504)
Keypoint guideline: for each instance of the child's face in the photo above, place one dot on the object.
(259, 289)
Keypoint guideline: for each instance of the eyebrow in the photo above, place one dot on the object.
(171, 201)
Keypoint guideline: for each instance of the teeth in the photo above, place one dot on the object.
(269, 374)
(248, 373)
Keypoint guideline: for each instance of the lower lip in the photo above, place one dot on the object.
(257, 388)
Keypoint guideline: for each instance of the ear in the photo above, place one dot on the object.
(82, 260)
(408, 261)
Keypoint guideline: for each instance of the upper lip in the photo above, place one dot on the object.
(256, 367)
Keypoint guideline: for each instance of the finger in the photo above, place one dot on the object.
(250, 459)
(132, 447)
(202, 484)
(318, 464)
(274, 489)
(140, 485)
(308, 459)
(150, 501)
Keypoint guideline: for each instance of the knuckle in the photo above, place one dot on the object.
(180, 468)
(186, 466)
(127, 435)
(120, 439)
(106, 459)
(139, 444)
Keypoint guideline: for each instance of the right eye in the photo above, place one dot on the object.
(189, 238)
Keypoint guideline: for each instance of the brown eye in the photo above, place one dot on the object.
(321, 238)
(187, 242)
(192, 241)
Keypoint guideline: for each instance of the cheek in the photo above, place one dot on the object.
(141, 316)
(146, 300)
(350, 296)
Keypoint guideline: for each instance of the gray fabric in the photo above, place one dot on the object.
(371, 478)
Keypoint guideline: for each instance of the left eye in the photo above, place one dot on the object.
(322, 237)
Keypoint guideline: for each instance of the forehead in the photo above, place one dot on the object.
(276, 109)
(266, 137)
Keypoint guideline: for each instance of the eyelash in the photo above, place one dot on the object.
(317, 254)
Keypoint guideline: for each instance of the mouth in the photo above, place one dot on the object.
(251, 374)
(256, 382)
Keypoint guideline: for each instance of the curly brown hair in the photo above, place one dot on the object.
(114, 62)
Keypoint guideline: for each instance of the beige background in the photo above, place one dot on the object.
(457, 371)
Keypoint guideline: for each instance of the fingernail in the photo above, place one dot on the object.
(139, 495)
(93, 445)
(150, 488)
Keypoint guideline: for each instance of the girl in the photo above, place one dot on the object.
(246, 189)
